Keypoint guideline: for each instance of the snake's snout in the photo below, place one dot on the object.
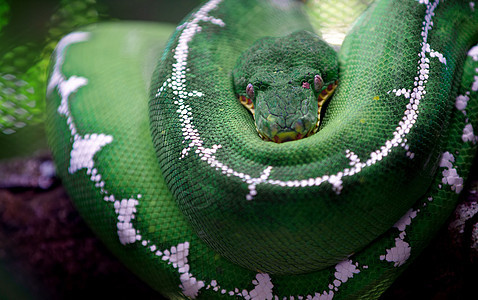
(286, 113)
(272, 130)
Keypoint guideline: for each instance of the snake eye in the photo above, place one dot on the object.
(318, 83)
(250, 91)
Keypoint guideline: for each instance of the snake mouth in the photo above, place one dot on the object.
(327, 92)
(324, 95)
(282, 137)
(286, 136)
(247, 103)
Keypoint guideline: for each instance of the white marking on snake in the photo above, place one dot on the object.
(344, 271)
(450, 175)
(85, 147)
(177, 257)
(263, 287)
(177, 82)
(83, 150)
(255, 181)
(461, 103)
(57, 76)
(474, 87)
(468, 134)
(400, 253)
(126, 209)
(473, 52)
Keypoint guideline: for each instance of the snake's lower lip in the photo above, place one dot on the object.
(285, 137)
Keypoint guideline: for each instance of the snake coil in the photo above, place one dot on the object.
(224, 213)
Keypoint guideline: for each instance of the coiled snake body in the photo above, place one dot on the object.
(224, 213)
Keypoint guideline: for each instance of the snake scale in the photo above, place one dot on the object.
(166, 165)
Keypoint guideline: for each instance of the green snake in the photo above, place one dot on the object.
(197, 204)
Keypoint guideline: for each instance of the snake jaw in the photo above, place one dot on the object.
(326, 92)
(324, 95)
(247, 103)
(283, 137)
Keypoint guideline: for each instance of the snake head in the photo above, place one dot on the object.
(284, 82)
(286, 113)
